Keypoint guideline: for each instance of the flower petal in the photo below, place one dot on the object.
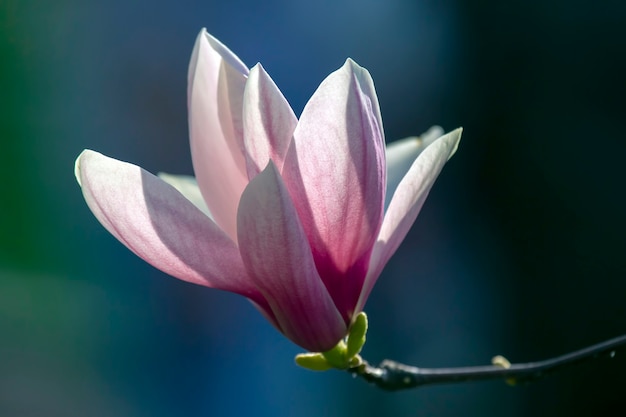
(401, 154)
(335, 171)
(215, 99)
(268, 122)
(406, 203)
(160, 225)
(187, 186)
(277, 256)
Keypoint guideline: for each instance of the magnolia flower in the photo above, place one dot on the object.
(292, 214)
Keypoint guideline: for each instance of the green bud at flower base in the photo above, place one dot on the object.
(356, 337)
(343, 356)
(313, 361)
(337, 356)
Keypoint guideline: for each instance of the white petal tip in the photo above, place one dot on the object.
(455, 136)
(353, 66)
(77, 166)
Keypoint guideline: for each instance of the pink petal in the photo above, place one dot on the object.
(335, 171)
(160, 225)
(277, 256)
(215, 98)
(406, 203)
(401, 154)
(188, 187)
(268, 122)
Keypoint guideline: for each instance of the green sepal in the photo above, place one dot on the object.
(344, 355)
(313, 361)
(356, 337)
(337, 356)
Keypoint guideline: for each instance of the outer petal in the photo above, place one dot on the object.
(406, 203)
(401, 154)
(187, 186)
(335, 171)
(268, 122)
(160, 225)
(277, 256)
(215, 98)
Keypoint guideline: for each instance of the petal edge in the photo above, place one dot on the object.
(278, 258)
(160, 225)
(406, 204)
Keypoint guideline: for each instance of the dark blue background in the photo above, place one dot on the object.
(518, 251)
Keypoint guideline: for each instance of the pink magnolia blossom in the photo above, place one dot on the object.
(289, 213)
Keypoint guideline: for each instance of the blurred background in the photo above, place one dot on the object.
(518, 251)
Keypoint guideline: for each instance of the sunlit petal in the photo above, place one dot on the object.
(401, 154)
(268, 122)
(187, 186)
(277, 256)
(406, 203)
(217, 80)
(335, 171)
(160, 225)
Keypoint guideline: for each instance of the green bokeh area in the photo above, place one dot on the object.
(518, 250)
(20, 221)
(45, 330)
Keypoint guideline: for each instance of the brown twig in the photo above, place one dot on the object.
(393, 376)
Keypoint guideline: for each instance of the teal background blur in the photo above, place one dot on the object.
(518, 251)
